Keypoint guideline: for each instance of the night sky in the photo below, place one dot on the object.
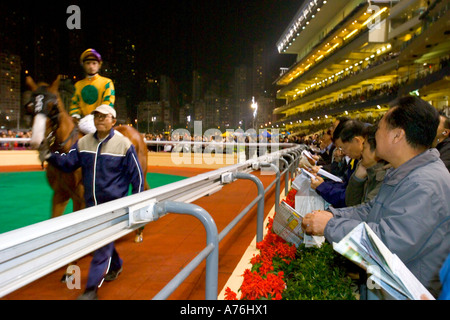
(174, 37)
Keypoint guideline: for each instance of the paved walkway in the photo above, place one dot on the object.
(169, 244)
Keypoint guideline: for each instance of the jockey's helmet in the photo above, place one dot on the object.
(90, 54)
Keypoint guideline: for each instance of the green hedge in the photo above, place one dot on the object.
(318, 274)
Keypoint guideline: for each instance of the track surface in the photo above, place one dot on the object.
(169, 245)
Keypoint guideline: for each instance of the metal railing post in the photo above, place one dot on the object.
(297, 161)
(277, 185)
(291, 167)
(212, 249)
(286, 176)
(260, 208)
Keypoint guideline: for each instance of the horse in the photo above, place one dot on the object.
(52, 124)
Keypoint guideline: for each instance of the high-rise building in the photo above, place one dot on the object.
(242, 95)
(211, 118)
(226, 113)
(265, 109)
(169, 97)
(47, 53)
(10, 95)
(259, 70)
(149, 116)
(198, 86)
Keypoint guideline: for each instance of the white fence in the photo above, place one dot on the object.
(29, 253)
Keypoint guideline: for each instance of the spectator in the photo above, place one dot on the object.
(366, 181)
(410, 213)
(444, 276)
(442, 140)
(336, 164)
(339, 162)
(326, 149)
(348, 136)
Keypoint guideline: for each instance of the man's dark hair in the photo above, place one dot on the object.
(447, 120)
(417, 118)
(369, 136)
(338, 128)
(347, 130)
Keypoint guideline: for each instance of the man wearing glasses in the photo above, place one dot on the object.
(411, 211)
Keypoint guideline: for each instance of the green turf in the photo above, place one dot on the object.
(27, 197)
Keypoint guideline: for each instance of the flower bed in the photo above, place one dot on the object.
(282, 271)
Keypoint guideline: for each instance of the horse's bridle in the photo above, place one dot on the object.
(39, 102)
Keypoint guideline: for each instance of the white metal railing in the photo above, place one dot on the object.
(221, 146)
(31, 252)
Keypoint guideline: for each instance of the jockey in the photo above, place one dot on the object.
(91, 92)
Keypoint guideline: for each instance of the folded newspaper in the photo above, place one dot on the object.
(287, 223)
(324, 173)
(388, 272)
(308, 154)
(321, 172)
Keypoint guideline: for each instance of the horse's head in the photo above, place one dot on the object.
(43, 106)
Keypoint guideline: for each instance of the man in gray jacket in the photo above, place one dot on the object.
(411, 213)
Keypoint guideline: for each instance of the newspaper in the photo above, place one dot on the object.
(321, 172)
(309, 174)
(308, 155)
(325, 174)
(306, 201)
(387, 271)
(287, 223)
(329, 175)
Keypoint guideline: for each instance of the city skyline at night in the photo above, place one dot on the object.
(142, 40)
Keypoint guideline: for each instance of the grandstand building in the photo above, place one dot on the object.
(355, 56)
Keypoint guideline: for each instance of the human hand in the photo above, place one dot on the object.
(44, 151)
(304, 163)
(387, 166)
(76, 120)
(314, 223)
(361, 172)
(316, 181)
(315, 169)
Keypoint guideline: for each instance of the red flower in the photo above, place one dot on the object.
(290, 198)
(230, 295)
(263, 281)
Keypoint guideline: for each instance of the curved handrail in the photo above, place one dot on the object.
(31, 252)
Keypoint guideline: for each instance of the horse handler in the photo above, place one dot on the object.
(109, 165)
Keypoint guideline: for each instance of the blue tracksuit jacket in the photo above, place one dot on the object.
(108, 167)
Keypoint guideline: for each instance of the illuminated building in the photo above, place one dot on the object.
(355, 56)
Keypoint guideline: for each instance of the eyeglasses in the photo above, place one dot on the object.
(100, 116)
